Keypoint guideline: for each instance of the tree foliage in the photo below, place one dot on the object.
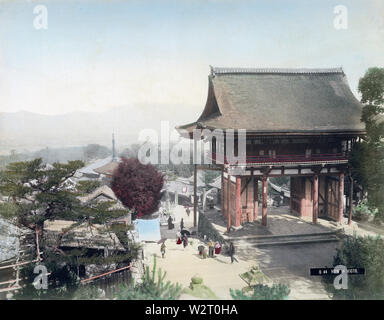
(138, 186)
(367, 157)
(87, 186)
(62, 283)
(360, 252)
(371, 87)
(38, 193)
(152, 287)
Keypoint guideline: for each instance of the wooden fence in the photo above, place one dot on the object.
(111, 281)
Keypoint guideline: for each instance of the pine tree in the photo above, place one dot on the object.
(152, 287)
(37, 194)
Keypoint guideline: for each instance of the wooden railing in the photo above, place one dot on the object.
(284, 158)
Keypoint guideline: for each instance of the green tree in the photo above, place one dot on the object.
(87, 186)
(360, 252)
(62, 283)
(37, 193)
(367, 157)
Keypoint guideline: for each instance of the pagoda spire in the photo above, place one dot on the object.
(113, 147)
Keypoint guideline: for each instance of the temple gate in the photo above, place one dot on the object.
(300, 123)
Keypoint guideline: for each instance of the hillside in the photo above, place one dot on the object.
(23, 130)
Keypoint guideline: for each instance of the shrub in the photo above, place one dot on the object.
(262, 292)
(197, 280)
(363, 212)
(151, 288)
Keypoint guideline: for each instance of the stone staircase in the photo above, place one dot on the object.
(280, 240)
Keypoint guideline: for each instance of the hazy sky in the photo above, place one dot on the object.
(96, 55)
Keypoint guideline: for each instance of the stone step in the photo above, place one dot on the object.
(281, 237)
(288, 241)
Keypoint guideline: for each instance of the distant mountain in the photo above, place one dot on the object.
(31, 131)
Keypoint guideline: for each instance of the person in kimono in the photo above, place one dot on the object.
(162, 249)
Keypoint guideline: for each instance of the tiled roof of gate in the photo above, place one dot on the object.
(280, 100)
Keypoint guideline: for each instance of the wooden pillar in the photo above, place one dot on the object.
(238, 202)
(341, 195)
(292, 195)
(255, 198)
(250, 201)
(303, 198)
(326, 190)
(303, 201)
(195, 196)
(315, 198)
(265, 204)
(350, 200)
(228, 202)
(222, 192)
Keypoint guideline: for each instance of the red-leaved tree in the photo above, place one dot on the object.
(138, 186)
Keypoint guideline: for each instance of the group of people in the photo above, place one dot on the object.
(182, 239)
(214, 248)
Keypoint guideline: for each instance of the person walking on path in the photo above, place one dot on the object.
(170, 223)
(231, 251)
(188, 211)
(185, 240)
(178, 237)
(211, 248)
(205, 253)
(217, 247)
(182, 224)
(162, 249)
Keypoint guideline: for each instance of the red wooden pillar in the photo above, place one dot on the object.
(249, 198)
(341, 195)
(222, 193)
(238, 201)
(195, 195)
(326, 195)
(315, 198)
(255, 198)
(350, 200)
(303, 198)
(265, 204)
(228, 202)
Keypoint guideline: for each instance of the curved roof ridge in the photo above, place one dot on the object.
(221, 70)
